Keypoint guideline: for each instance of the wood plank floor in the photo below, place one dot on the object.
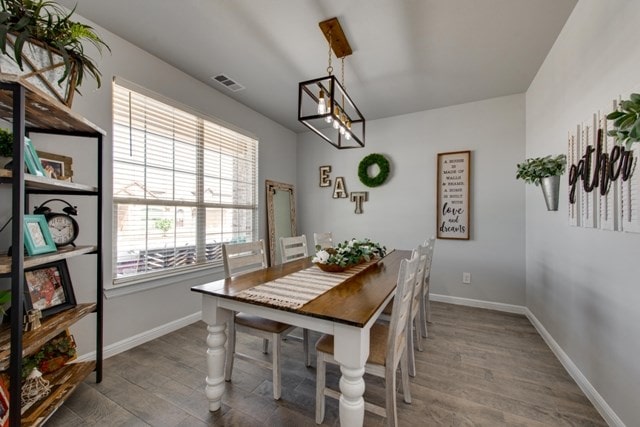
(479, 367)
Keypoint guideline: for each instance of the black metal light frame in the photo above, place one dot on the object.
(336, 96)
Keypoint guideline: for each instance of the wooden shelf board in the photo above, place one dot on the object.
(63, 382)
(42, 111)
(51, 326)
(44, 183)
(36, 260)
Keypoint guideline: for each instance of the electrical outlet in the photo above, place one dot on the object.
(466, 278)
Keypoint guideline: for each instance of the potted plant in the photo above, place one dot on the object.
(626, 121)
(546, 171)
(5, 302)
(6, 147)
(56, 45)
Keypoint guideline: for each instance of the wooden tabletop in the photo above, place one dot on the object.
(353, 302)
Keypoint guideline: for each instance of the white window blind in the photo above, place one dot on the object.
(182, 185)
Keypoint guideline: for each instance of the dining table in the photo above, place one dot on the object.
(347, 311)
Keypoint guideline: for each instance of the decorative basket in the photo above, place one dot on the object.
(331, 268)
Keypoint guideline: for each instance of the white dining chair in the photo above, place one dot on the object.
(292, 248)
(415, 319)
(243, 258)
(323, 240)
(425, 300)
(387, 350)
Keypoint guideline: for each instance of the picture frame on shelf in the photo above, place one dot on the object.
(49, 288)
(37, 236)
(34, 167)
(56, 166)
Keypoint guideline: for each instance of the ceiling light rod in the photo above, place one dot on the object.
(324, 105)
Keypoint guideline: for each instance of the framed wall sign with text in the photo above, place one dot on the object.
(454, 174)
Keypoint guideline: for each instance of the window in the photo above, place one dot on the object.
(182, 185)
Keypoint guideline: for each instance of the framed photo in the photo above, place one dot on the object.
(454, 175)
(37, 236)
(4, 402)
(48, 288)
(56, 166)
(32, 160)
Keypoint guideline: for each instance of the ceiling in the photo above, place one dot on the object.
(408, 55)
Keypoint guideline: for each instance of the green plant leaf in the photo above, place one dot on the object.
(614, 115)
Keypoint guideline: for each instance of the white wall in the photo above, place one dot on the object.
(129, 315)
(401, 213)
(582, 284)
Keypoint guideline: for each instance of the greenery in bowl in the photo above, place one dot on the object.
(349, 253)
(626, 121)
(534, 169)
(47, 24)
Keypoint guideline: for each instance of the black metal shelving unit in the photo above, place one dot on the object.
(30, 111)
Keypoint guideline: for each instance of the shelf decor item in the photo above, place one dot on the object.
(347, 254)
(63, 227)
(544, 171)
(56, 166)
(49, 288)
(37, 237)
(32, 160)
(34, 388)
(41, 42)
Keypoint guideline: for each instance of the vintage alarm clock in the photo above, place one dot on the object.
(64, 228)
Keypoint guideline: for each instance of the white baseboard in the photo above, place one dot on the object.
(592, 394)
(498, 306)
(141, 338)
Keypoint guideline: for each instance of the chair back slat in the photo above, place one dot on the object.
(423, 259)
(401, 308)
(242, 258)
(324, 240)
(293, 248)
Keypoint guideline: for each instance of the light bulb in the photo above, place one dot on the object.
(328, 119)
(341, 130)
(347, 133)
(322, 105)
(336, 123)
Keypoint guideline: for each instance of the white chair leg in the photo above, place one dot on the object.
(428, 302)
(410, 351)
(416, 323)
(404, 371)
(231, 347)
(305, 344)
(265, 346)
(321, 368)
(277, 367)
(423, 312)
(390, 392)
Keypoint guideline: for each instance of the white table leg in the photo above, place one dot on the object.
(216, 319)
(351, 350)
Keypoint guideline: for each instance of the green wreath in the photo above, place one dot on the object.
(363, 170)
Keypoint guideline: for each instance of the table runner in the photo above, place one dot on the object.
(296, 289)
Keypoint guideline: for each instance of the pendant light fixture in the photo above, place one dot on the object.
(324, 105)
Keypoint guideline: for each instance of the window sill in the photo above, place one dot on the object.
(192, 277)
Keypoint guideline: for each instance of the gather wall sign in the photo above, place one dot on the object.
(604, 185)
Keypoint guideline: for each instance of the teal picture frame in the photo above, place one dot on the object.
(37, 236)
(32, 160)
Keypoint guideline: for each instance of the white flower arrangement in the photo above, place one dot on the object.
(349, 253)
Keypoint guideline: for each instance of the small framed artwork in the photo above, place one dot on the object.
(48, 288)
(454, 183)
(34, 167)
(37, 236)
(56, 166)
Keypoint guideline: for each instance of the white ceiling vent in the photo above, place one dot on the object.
(228, 82)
